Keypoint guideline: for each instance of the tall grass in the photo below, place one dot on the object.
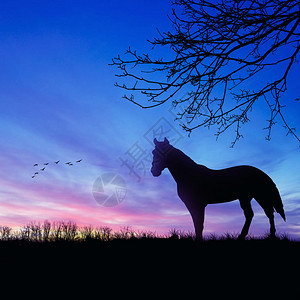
(70, 231)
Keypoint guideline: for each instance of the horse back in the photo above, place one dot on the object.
(217, 186)
(239, 182)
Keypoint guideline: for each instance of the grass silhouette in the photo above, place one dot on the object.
(68, 231)
(64, 244)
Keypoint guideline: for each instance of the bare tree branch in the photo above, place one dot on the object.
(216, 48)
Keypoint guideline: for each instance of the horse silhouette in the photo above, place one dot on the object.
(198, 186)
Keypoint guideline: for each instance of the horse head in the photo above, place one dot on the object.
(159, 156)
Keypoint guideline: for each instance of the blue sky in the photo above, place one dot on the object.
(58, 102)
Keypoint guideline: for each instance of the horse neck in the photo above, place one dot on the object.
(179, 164)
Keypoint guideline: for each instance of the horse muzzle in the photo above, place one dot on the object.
(155, 172)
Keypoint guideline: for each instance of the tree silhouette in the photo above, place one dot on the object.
(215, 49)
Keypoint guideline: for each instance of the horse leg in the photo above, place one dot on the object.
(198, 220)
(269, 211)
(270, 214)
(197, 213)
(272, 226)
(248, 212)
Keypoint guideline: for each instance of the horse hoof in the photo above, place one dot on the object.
(271, 236)
(241, 237)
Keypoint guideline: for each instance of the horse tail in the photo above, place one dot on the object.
(277, 203)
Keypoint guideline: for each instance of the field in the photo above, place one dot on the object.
(66, 259)
(63, 245)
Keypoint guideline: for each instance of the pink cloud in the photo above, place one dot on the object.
(161, 210)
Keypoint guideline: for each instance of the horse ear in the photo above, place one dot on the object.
(166, 140)
(155, 141)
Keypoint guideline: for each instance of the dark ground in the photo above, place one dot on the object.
(150, 266)
(150, 252)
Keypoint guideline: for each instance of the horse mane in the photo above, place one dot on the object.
(178, 155)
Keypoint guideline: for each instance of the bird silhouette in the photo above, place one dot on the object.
(55, 162)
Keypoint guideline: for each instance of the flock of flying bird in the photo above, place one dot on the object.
(56, 162)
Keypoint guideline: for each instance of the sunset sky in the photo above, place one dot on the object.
(58, 102)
